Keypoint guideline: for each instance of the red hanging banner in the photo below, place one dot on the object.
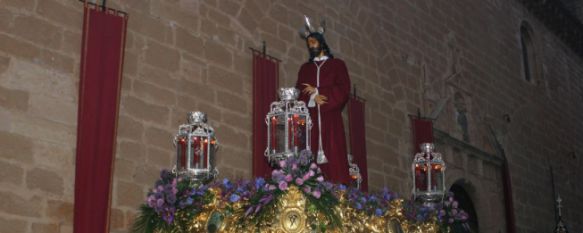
(102, 53)
(358, 137)
(265, 83)
(422, 132)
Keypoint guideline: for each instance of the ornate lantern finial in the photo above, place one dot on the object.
(196, 117)
(196, 146)
(428, 175)
(288, 126)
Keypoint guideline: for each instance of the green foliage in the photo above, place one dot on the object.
(148, 221)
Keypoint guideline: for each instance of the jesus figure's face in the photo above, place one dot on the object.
(314, 47)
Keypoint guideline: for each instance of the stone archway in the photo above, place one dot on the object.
(466, 203)
(477, 173)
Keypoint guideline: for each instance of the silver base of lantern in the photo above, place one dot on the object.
(429, 198)
(197, 176)
(275, 158)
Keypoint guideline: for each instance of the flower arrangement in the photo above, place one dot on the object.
(171, 203)
(448, 214)
(307, 176)
(175, 201)
(375, 204)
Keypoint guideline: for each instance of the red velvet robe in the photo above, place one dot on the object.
(334, 84)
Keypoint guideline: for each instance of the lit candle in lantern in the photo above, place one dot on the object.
(195, 152)
(193, 142)
(289, 132)
(202, 152)
(296, 133)
(182, 152)
(203, 159)
(285, 136)
(420, 177)
(273, 131)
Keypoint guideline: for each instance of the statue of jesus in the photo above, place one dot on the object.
(325, 86)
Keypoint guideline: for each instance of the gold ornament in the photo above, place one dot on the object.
(292, 215)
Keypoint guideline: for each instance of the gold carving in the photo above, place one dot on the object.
(290, 216)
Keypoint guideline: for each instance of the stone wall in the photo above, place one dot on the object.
(184, 55)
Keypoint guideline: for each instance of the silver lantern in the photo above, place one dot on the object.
(196, 146)
(288, 126)
(428, 175)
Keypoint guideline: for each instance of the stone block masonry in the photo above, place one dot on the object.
(187, 55)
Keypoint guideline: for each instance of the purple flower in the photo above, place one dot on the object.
(358, 206)
(294, 167)
(234, 198)
(463, 216)
(282, 185)
(282, 163)
(171, 199)
(257, 209)
(227, 183)
(160, 203)
(259, 182)
(342, 187)
(378, 212)
(320, 178)
(249, 210)
(307, 189)
(168, 217)
(174, 189)
(454, 204)
(288, 178)
(311, 173)
(306, 176)
(313, 166)
(266, 199)
(363, 199)
(277, 175)
(276, 172)
(441, 213)
(299, 181)
(150, 198)
(316, 194)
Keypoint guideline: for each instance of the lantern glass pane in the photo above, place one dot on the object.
(300, 138)
(280, 134)
(420, 177)
(204, 153)
(196, 152)
(437, 177)
(181, 153)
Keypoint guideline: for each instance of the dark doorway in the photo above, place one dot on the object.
(466, 204)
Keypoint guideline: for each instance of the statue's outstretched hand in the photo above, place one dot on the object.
(320, 99)
(309, 89)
